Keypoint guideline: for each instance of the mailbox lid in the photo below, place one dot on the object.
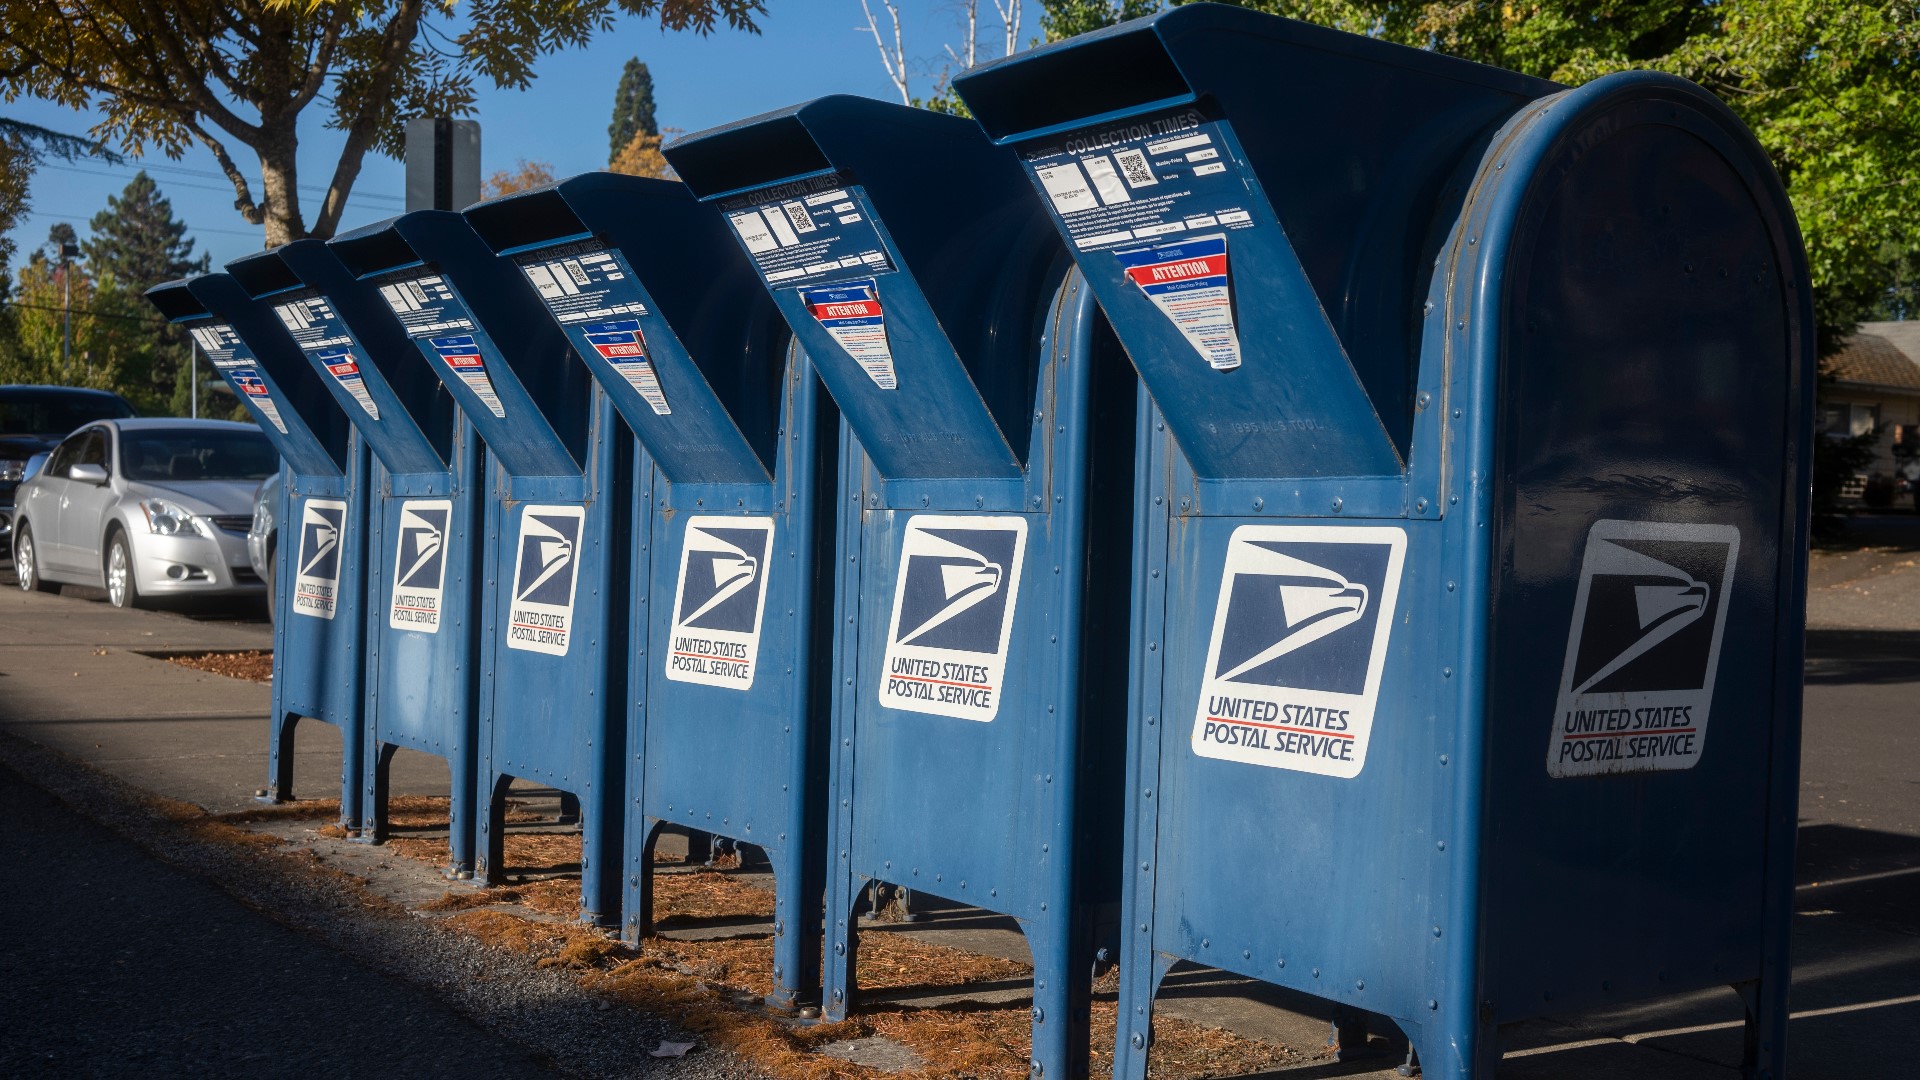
(253, 354)
(656, 300)
(911, 262)
(451, 303)
(354, 346)
(1258, 206)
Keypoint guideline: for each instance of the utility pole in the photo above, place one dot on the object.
(67, 252)
(193, 375)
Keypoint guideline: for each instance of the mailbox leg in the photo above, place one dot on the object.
(843, 944)
(1133, 1034)
(1062, 996)
(377, 772)
(797, 915)
(1764, 1056)
(460, 815)
(280, 760)
(639, 924)
(600, 859)
(491, 851)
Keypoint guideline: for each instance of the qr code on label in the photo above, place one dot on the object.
(797, 214)
(1133, 165)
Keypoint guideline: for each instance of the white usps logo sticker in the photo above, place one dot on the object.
(420, 565)
(719, 601)
(1299, 643)
(1643, 649)
(546, 572)
(953, 606)
(316, 576)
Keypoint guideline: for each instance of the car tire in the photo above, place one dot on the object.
(125, 592)
(26, 563)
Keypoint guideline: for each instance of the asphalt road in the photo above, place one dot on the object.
(113, 963)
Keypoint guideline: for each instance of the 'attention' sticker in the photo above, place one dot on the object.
(1189, 283)
(850, 312)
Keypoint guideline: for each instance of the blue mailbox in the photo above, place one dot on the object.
(1475, 488)
(984, 490)
(733, 528)
(553, 662)
(423, 513)
(319, 573)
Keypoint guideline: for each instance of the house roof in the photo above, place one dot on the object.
(1883, 354)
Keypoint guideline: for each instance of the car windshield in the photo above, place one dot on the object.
(163, 455)
(44, 413)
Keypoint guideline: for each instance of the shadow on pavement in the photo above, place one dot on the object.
(1858, 657)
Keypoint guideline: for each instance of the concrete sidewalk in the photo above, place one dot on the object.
(77, 676)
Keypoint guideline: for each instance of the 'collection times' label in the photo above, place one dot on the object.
(1644, 647)
(432, 313)
(1299, 645)
(319, 332)
(235, 361)
(953, 606)
(591, 292)
(1161, 195)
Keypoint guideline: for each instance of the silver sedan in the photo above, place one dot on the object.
(144, 508)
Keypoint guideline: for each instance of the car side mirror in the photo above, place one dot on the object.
(88, 474)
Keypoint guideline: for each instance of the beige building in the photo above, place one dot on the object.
(1874, 383)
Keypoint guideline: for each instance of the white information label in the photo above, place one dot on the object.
(345, 369)
(719, 602)
(316, 574)
(1299, 644)
(420, 565)
(546, 574)
(1643, 648)
(953, 607)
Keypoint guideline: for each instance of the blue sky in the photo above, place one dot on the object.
(807, 48)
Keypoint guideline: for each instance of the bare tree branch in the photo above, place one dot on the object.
(896, 61)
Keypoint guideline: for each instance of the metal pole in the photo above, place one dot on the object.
(66, 307)
(193, 375)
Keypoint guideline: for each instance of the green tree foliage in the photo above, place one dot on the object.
(632, 109)
(1831, 88)
(220, 74)
(47, 290)
(136, 243)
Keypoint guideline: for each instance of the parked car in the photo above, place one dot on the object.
(33, 419)
(264, 538)
(144, 508)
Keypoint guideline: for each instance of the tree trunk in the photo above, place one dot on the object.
(279, 182)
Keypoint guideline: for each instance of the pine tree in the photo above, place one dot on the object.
(137, 244)
(632, 108)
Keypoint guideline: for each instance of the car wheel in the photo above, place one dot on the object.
(122, 590)
(26, 564)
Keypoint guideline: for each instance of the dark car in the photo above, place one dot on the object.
(33, 420)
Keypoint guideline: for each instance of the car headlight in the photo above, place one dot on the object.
(14, 469)
(169, 519)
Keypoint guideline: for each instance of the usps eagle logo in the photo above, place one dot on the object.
(1299, 646)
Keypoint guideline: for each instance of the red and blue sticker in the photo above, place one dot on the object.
(340, 363)
(254, 389)
(462, 354)
(622, 344)
(1190, 284)
(851, 314)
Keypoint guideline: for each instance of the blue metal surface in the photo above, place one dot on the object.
(423, 511)
(320, 563)
(554, 557)
(732, 564)
(984, 490)
(1389, 673)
